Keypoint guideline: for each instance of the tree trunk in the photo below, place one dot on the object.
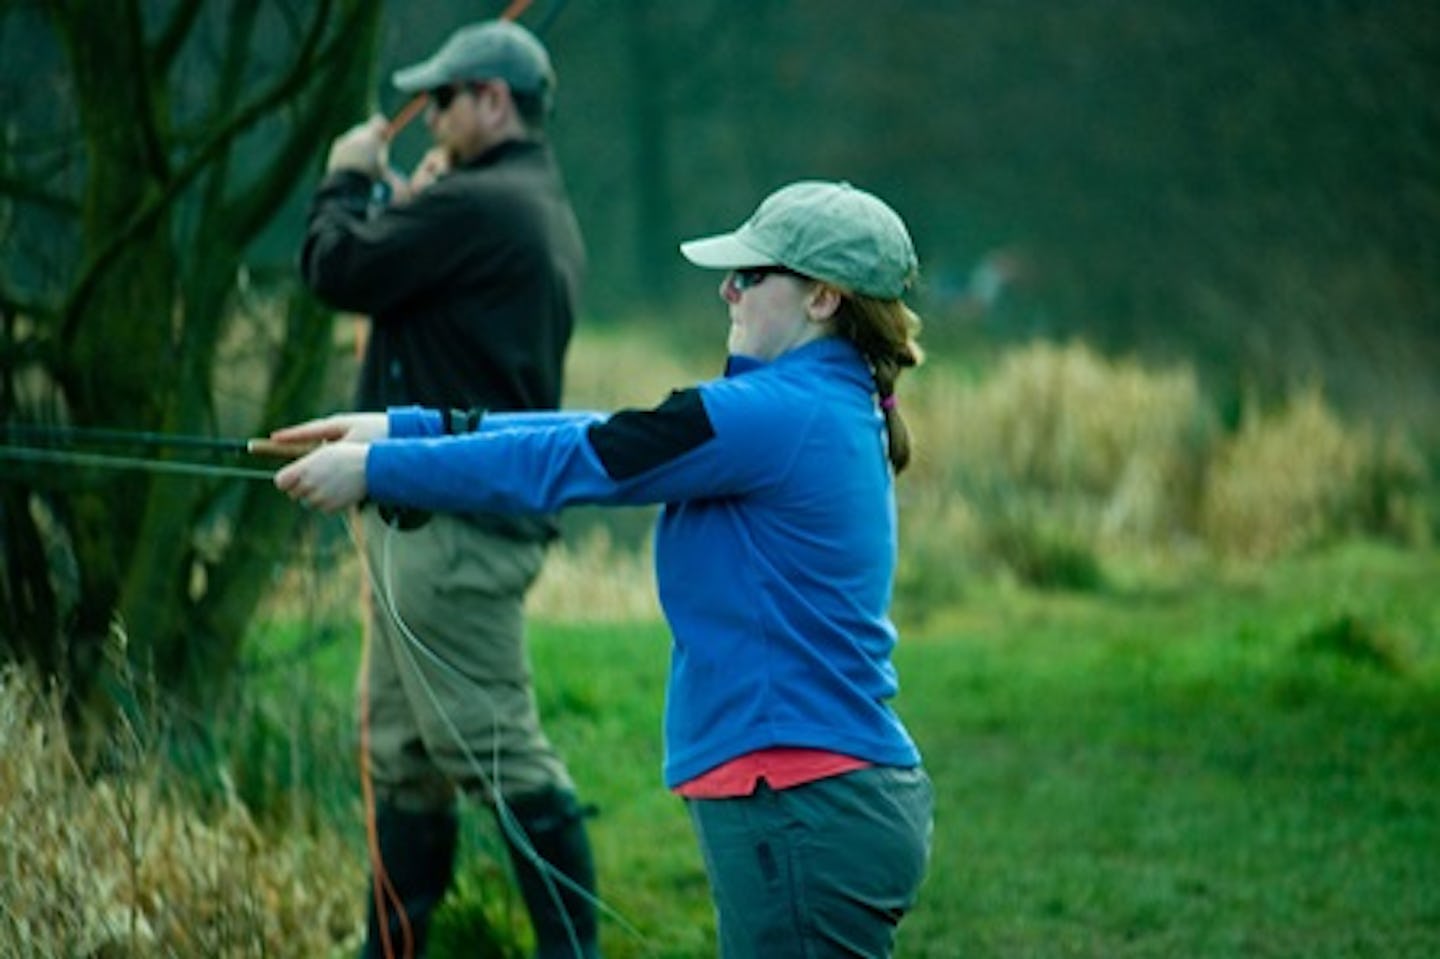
(129, 339)
(654, 229)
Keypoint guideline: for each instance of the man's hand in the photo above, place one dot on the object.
(361, 148)
(434, 164)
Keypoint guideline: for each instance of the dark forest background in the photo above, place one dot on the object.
(1250, 186)
(1253, 187)
(1245, 189)
(1249, 189)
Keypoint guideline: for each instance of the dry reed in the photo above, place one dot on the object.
(120, 865)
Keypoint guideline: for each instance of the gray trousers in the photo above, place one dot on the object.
(451, 703)
(820, 870)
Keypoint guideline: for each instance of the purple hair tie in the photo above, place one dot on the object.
(888, 403)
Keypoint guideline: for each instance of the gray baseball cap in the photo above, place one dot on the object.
(490, 50)
(829, 231)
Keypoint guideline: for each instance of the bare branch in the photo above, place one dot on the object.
(143, 86)
(36, 345)
(172, 37)
(290, 85)
(23, 191)
(239, 34)
(247, 214)
(12, 306)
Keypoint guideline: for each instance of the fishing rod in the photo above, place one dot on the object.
(39, 434)
(54, 457)
(56, 446)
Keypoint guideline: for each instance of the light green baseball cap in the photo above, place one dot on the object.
(489, 50)
(829, 231)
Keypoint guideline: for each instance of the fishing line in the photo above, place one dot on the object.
(22, 454)
(382, 586)
(43, 444)
(508, 824)
(35, 433)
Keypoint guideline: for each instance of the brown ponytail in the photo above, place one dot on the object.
(885, 332)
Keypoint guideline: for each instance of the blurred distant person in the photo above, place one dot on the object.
(470, 274)
(775, 555)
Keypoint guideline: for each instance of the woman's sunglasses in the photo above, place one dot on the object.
(743, 279)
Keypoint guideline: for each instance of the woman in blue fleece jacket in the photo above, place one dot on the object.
(775, 556)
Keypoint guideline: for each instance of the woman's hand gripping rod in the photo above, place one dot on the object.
(331, 476)
(277, 449)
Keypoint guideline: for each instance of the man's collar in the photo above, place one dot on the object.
(501, 150)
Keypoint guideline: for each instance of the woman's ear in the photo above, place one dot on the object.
(823, 302)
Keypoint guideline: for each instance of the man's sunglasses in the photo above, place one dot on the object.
(743, 279)
(442, 97)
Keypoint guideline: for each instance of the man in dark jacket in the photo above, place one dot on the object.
(471, 283)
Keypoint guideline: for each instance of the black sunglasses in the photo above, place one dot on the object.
(746, 277)
(442, 97)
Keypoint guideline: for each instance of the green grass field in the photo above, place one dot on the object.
(1198, 775)
(1245, 767)
(1178, 756)
(1244, 764)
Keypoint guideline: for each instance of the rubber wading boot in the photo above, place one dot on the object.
(418, 853)
(564, 920)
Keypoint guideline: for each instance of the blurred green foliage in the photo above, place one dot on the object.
(1250, 185)
(1253, 187)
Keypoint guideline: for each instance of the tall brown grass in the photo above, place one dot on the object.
(1048, 467)
(593, 579)
(1298, 475)
(1106, 445)
(125, 863)
(1043, 469)
(1059, 461)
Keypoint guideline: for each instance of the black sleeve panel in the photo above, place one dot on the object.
(634, 441)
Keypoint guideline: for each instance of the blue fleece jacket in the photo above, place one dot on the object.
(774, 553)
